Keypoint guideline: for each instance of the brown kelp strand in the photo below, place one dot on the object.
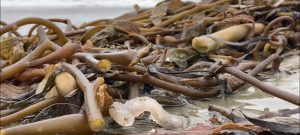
(62, 39)
(93, 111)
(14, 32)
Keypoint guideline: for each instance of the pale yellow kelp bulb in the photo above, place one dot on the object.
(204, 44)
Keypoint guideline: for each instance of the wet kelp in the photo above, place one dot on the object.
(184, 50)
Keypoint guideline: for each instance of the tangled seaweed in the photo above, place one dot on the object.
(182, 49)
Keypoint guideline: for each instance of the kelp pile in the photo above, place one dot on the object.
(65, 81)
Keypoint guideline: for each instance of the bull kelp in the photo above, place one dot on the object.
(125, 75)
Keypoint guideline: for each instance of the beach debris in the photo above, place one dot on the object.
(205, 44)
(143, 61)
(124, 114)
(274, 121)
(76, 124)
(92, 108)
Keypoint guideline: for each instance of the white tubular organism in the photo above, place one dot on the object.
(124, 114)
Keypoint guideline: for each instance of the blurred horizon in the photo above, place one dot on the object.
(78, 11)
(74, 3)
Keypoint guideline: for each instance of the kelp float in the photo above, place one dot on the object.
(183, 49)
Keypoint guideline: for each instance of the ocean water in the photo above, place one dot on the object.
(89, 3)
